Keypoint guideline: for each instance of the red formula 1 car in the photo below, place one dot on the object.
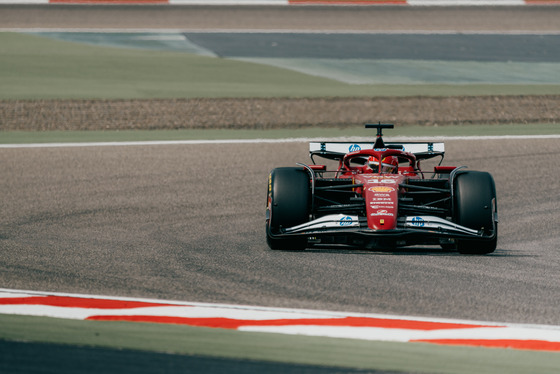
(377, 197)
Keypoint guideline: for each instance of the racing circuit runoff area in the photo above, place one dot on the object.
(186, 222)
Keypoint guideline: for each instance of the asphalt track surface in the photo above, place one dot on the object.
(186, 222)
(441, 47)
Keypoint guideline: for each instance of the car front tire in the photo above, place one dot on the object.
(288, 206)
(474, 207)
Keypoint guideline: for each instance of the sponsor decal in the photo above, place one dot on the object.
(387, 181)
(382, 212)
(345, 221)
(380, 149)
(418, 221)
(354, 148)
(381, 189)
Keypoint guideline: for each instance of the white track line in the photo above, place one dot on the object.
(268, 141)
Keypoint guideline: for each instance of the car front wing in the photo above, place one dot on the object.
(407, 226)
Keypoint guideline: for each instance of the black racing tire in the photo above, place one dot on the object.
(474, 207)
(288, 205)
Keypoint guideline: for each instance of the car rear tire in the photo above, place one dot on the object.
(474, 207)
(288, 206)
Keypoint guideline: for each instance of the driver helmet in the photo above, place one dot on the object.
(389, 164)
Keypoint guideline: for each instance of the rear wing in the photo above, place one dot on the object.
(337, 150)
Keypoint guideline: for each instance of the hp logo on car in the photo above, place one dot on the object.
(354, 148)
(418, 221)
(346, 221)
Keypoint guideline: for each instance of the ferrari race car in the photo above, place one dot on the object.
(376, 196)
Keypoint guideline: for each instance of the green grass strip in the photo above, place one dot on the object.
(178, 339)
(34, 67)
(23, 137)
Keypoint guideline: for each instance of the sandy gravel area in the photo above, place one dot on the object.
(376, 18)
(273, 113)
